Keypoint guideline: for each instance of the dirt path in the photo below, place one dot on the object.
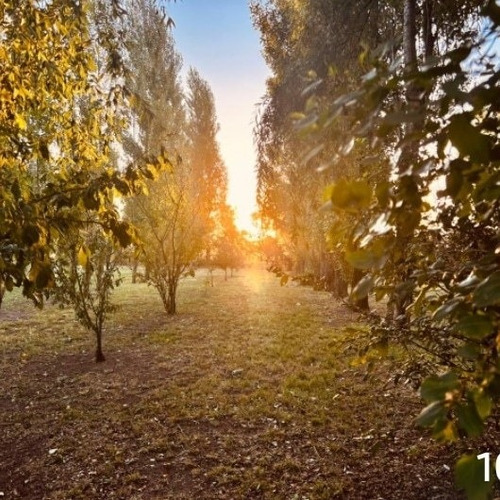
(247, 393)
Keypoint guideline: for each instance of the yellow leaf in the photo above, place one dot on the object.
(82, 257)
(20, 122)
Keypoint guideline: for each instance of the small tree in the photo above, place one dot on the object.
(173, 234)
(228, 246)
(86, 273)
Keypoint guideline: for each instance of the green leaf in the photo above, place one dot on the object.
(455, 177)
(431, 414)
(121, 232)
(446, 309)
(307, 122)
(122, 186)
(469, 476)
(363, 288)
(383, 193)
(9, 283)
(312, 153)
(487, 292)
(469, 419)
(44, 150)
(468, 139)
(488, 189)
(418, 303)
(469, 351)
(20, 121)
(16, 189)
(484, 404)
(366, 259)
(398, 117)
(445, 431)
(83, 256)
(91, 200)
(44, 277)
(351, 196)
(470, 281)
(435, 388)
(30, 235)
(475, 326)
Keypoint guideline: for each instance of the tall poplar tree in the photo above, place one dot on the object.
(206, 167)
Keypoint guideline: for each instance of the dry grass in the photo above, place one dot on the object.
(247, 393)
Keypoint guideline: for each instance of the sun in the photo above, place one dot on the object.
(244, 220)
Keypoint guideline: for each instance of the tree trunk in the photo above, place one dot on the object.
(427, 34)
(341, 285)
(361, 303)
(410, 33)
(135, 265)
(2, 291)
(172, 296)
(99, 356)
(409, 152)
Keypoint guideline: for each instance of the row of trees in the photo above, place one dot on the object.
(181, 217)
(102, 149)
(405, 135)
(316, 49)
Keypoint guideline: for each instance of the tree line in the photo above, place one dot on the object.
(105, 156)
(378, 169)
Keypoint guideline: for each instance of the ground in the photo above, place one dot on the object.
(248, 393)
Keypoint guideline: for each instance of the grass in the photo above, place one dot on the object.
(248, 392)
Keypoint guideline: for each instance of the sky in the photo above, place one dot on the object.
(218, 39)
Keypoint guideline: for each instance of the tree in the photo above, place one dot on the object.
(170, 225)
(207, 172)
(85, 273)
(304, 42)
(57, 126)
(157, 114)
(228, 246)
(177, 217)
(450, 234)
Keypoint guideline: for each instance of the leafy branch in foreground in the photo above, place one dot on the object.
(438, 219)
(59, 118)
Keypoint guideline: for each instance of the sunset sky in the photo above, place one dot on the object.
(217, 38)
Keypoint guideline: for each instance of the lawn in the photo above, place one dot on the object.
(249, 392)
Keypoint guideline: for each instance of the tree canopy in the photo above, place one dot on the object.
(405, 138)
(59, 120)
(100, 146)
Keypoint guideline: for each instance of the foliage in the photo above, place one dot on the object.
(208, 172)
(438, 220)
(86, 272)
(228, 247)
(58, 122)
(170, 228)
(157, 115)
